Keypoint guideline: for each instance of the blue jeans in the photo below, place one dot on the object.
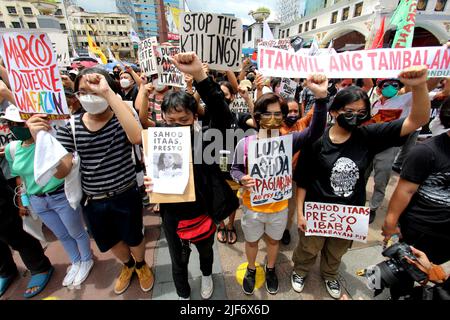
(65, 222)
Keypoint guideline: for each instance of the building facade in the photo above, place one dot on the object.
(254, 32)
(352, 24)
(33, 15)
(145, 14)
(108, 30)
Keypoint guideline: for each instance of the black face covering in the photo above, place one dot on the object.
(228, 101)
(349, 124)
(291, 120)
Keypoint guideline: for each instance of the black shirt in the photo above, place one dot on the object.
(132, 94)
(428, 164)
(334, 173)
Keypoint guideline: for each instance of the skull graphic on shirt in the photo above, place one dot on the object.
(344, 175)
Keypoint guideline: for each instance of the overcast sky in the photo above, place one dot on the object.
(240, 8)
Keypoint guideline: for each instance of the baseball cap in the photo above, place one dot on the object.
(12, 114)
(246, 83)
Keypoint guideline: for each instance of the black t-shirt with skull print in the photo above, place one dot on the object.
(334, 173)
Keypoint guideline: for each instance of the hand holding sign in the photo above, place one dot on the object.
(3, 88)
(414, 76)
(190, 63)
(97, 84)
(149, 88)
(318, 84)
(67, 82)
(247, 182)
(259, 81)
(301, 222)
(148, 184)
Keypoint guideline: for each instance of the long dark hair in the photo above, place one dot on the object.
(263, 102)
(112, 84)
(178, 101)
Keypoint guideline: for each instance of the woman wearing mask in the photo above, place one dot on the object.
(129, 88)
(49, 202)
(332, 170)
(112, 205)
(271, 219)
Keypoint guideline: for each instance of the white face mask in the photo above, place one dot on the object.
(125, 83)
(93, 104)
(158, 87)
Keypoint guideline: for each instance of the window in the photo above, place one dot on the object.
(109, 33)
(31, 25)
(282, 34)
(345, 13)
(440, 5)
(27, 10)
(16, 24)
(107, 21)
(120, 33)
(118, 22)
(358, 9)
(314, 24)
(78, 33)
(12, 10)
(422, 5)
(307, 26)
(82, 21)
(287, 33)
(334, 17)
(2, 24)
(249, 34)
(63, 26)
(58, 12)
(112, 21)
(123, 21)
(300, 27)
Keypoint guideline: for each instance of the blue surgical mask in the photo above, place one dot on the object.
(389, 91)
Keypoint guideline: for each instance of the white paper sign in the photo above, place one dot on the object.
(378, 63)
(216, 39)
(337, 221)
(167, 161)
(33, 74)
(287, 88)
(270, 164)
(147, 58)
(60, 43)
(168, 73)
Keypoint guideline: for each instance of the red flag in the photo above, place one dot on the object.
(378, 40)
(255, 55)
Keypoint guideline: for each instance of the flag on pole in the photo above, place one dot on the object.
(404, 18)
(134, 36)
(314, 49)
(186, 8)
(74, 53)
(331, 50)
(94, 56)
(96, 50)
(378, 40)
(267, 33)
(111, 56)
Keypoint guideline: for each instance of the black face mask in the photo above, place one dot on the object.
(228, 101)
(291, 120)
(349, 124)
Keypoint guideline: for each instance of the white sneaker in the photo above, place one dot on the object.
(71, 274)
(207, 287)
(297, 282)
(181, 298)
(85, 268)
(333, 288)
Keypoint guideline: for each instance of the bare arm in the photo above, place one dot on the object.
(301, 221)
(142, 105)
(64, 167)
(135, 76)
(245, 66)
(4, 75)
(399, 201)
(5, 93)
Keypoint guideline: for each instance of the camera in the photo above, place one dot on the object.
(394, 271)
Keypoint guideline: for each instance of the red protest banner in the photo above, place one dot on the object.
(337, 221)
(379, 63)
(33, 74)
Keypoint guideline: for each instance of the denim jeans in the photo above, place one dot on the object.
(65, 223)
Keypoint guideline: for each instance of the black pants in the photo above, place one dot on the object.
(180, 268)
(30, 249)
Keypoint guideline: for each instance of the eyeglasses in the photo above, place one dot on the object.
(349, 114)
(268, 115)
(394, 84)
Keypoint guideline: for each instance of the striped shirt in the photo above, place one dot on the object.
(106, 163)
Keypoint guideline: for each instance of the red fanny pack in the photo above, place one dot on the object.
(197, 229)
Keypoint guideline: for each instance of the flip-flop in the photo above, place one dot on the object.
(40, 281)
(223, 232)
(5, 282)
(230, 232)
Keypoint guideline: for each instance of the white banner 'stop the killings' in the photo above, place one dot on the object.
(168, 159)
(147, 57)
(216, 39)
(378, 63)
(337, 221)
(168, 73)
(33, 74)
(270, 164)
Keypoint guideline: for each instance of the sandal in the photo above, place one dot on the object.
(230, 233)
(38, 281)
(223, 233)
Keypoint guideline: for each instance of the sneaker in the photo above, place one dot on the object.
(286, 239)
(181, 298)
(71, 274)
(124, 279)
(85, 268)
(271, 280)
(146, 278)
(248, 284)
(373, 214)
(207, 287)
(297, 282)
(333, 288)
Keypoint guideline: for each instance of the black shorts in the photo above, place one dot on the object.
(115, 219)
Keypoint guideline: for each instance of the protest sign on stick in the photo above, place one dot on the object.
(239, 105)
(337, 221)
(168, 73)
(287, 88)
(270, 164)
(147, 58)
(33, 74)
(216, 39)
(284, 44)
(379, 63)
